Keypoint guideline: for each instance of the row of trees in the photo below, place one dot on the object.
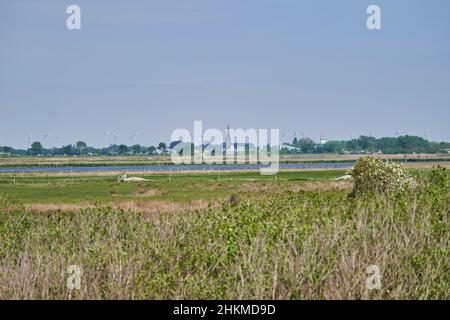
(388, 145)
(81, 148)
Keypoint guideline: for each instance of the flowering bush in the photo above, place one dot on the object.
(375, 175)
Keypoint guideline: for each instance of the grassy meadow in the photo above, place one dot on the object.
(233, 235)
(103, 188)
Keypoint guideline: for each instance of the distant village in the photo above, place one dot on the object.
(299, 145)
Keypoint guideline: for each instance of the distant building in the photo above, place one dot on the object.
(291, 148)
(323, 140)
(228, 145)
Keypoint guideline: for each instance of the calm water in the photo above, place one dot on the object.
(168, 168)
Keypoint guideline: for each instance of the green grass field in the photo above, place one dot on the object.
(32, 188)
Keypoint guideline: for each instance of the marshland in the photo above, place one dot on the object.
(222, 235)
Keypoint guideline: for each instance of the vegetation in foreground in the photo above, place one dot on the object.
(284, 245)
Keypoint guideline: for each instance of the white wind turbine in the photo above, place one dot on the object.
(57, 140)
(134, 137)
(29, 140)
(115, 139)
(107, 133)
(45, 137)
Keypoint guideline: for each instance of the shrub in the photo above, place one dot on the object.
(437, 179)
(434, 183)
(375, 175)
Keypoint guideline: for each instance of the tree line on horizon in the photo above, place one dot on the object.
(366, 144)
(81, 148)
(363, 144)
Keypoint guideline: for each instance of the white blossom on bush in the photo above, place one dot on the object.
(375, 175)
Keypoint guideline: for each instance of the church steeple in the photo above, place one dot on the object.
(227, 140)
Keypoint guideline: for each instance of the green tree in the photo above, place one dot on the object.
(162, 146)
(333, 147)
(306, 144)
(7, 149)
(388, 145)
(36, 148)
(123, 149)
(136, 148)
(367, 143)
(151, 149)
(80, 145)
(68, 149)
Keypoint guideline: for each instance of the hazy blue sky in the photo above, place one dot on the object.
(156, 65)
